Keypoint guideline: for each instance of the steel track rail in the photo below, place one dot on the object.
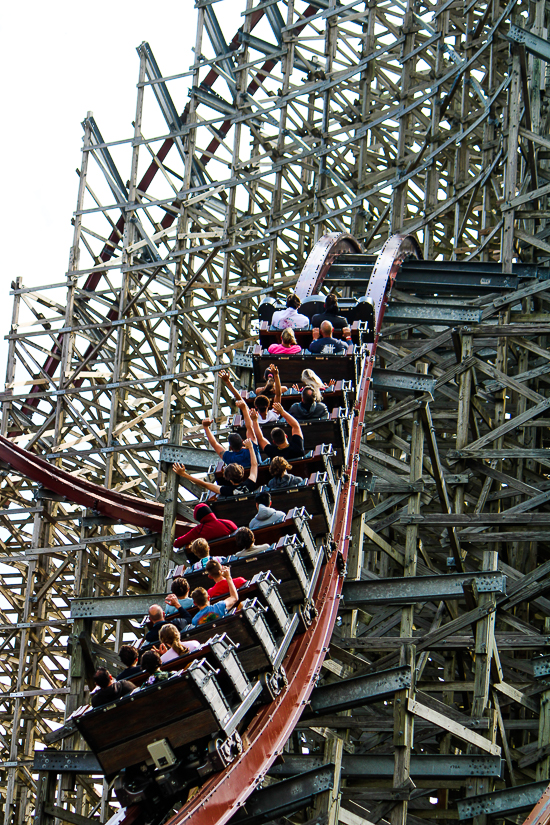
(126, 508)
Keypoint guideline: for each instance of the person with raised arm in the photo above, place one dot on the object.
(210, 612)
(237, 484)
(237, 452)
(287, 448)
(270, 387)
(261, 402)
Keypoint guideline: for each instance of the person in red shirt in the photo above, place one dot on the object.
(209, 527)
(221, 588)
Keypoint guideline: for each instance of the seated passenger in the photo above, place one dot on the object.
(311, 379)
(237, 484)
(287, 448)
(290, 317)
(157, 620)
(151, 662)
(209, 526)
(244, 541)
(171, 646)
(330, 314)
(266, 514)
(178, 601)
(288, 345)
(261, 402)
(262, 407)
(201, 549)
(210, 612)
(129, 656)
(271, 375)
(308, 409)
(280, 477)
(236, 454)
(109, 688)
(326, 344)
(220, 588)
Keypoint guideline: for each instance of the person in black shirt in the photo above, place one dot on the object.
(109, 689)
(157, 620)
(128, 656)
(237, 484)
(330, 314)
(287, 448)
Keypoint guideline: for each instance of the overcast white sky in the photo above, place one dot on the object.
(58, 61)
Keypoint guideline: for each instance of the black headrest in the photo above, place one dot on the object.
(266, 309)
(312, 305)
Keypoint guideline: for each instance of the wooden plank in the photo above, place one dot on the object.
(510, 425)
(348, 818)
(396, 555)
(453, 727)
(517, 696)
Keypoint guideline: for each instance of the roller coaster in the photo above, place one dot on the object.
(227, 713)
(413, 686)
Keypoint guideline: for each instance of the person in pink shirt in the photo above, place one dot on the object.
(289, 345)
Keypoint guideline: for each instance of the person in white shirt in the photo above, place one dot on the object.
(290, 317)
(261, 402)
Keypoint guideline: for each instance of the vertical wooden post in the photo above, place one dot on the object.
(514, 108)
(170, 514)
(403, 732)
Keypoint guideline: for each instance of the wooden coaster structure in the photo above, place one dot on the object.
(370, 118)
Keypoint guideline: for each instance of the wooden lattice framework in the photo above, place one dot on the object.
(372, 117)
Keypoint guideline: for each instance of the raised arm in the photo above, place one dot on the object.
(181, 471)
(262, 442)
(224, 375)
(290, 420)
(253, 474)
(277, 383)
(233, 595)
(211, 440)
(245, 412)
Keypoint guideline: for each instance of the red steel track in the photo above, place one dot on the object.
(125, 508)
(540, 815)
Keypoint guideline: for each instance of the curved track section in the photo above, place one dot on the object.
(127, 509)
(320, 260)
(226, 792)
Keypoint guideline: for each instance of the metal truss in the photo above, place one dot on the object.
(295, 119)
